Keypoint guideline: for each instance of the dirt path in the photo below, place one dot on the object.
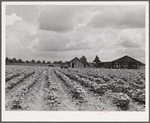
(35, 101)
(94, 102)
(66, 102)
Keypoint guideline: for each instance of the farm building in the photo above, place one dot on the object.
(123, 62)
(77, 63)
(105, 65)
(126, 62)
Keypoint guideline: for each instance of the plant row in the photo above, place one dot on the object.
(11, 76)
(93, 86)
(17, 80)
(119, 98)
(91, 78)
(18, 97)
(51, 92)
(112, 85)
(76, 90)
(119, 85)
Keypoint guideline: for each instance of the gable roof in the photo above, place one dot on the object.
(75, 59)
(79, 60)
(126, 59)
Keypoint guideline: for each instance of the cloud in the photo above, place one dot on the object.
(52, 41)
(137, 53)
(64, 18)
(12, 18)
(58, 42)
(81, 45)
(19, 37)
(129, 38)
(114, 43)
(65, 32)
(119, 17)
(128, 44)
(28, 13)
(57, 18)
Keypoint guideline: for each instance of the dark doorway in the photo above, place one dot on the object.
(72, 65)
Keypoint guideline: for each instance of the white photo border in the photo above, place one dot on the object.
(75, 115)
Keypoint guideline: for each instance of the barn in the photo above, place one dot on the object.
(126, 62)
(77, 63)
(123, 62)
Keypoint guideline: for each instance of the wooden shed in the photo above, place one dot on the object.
(77, 63)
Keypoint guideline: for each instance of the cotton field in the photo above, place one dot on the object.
(43, 88)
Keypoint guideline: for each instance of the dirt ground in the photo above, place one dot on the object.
(50, 93)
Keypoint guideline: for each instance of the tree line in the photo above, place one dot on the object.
(14, 60)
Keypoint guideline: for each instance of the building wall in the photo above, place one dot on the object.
(120, 65)
(105, 65)
(129, 65)
(77, 64)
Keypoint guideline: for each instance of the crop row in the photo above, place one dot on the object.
(98, 77)
(14, 70)
(134, 81)
(97, 88)
(97, 80)
(18, 97)
(11, 76)
(17, 80)
(51, 91)
(76, 90)
(133, 75)
(120, 99)
(138, 94)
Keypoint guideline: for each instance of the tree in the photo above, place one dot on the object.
(19, 61)
(7, 59)
(33, 61)
(43, 62)
(10, 60)
(48, 62)
(55, 62)
(83, 59)
(38, 61)
(27, 61)
(59, 62)
(96, 61)
(14, 60)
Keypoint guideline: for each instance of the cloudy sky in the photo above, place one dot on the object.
(61, 32)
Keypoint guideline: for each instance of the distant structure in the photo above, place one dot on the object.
(77, 63)
(123, 62)
(96, 61)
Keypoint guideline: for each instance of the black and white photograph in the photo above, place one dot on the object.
(75, 57)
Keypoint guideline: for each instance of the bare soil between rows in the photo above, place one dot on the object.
(35, 99)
